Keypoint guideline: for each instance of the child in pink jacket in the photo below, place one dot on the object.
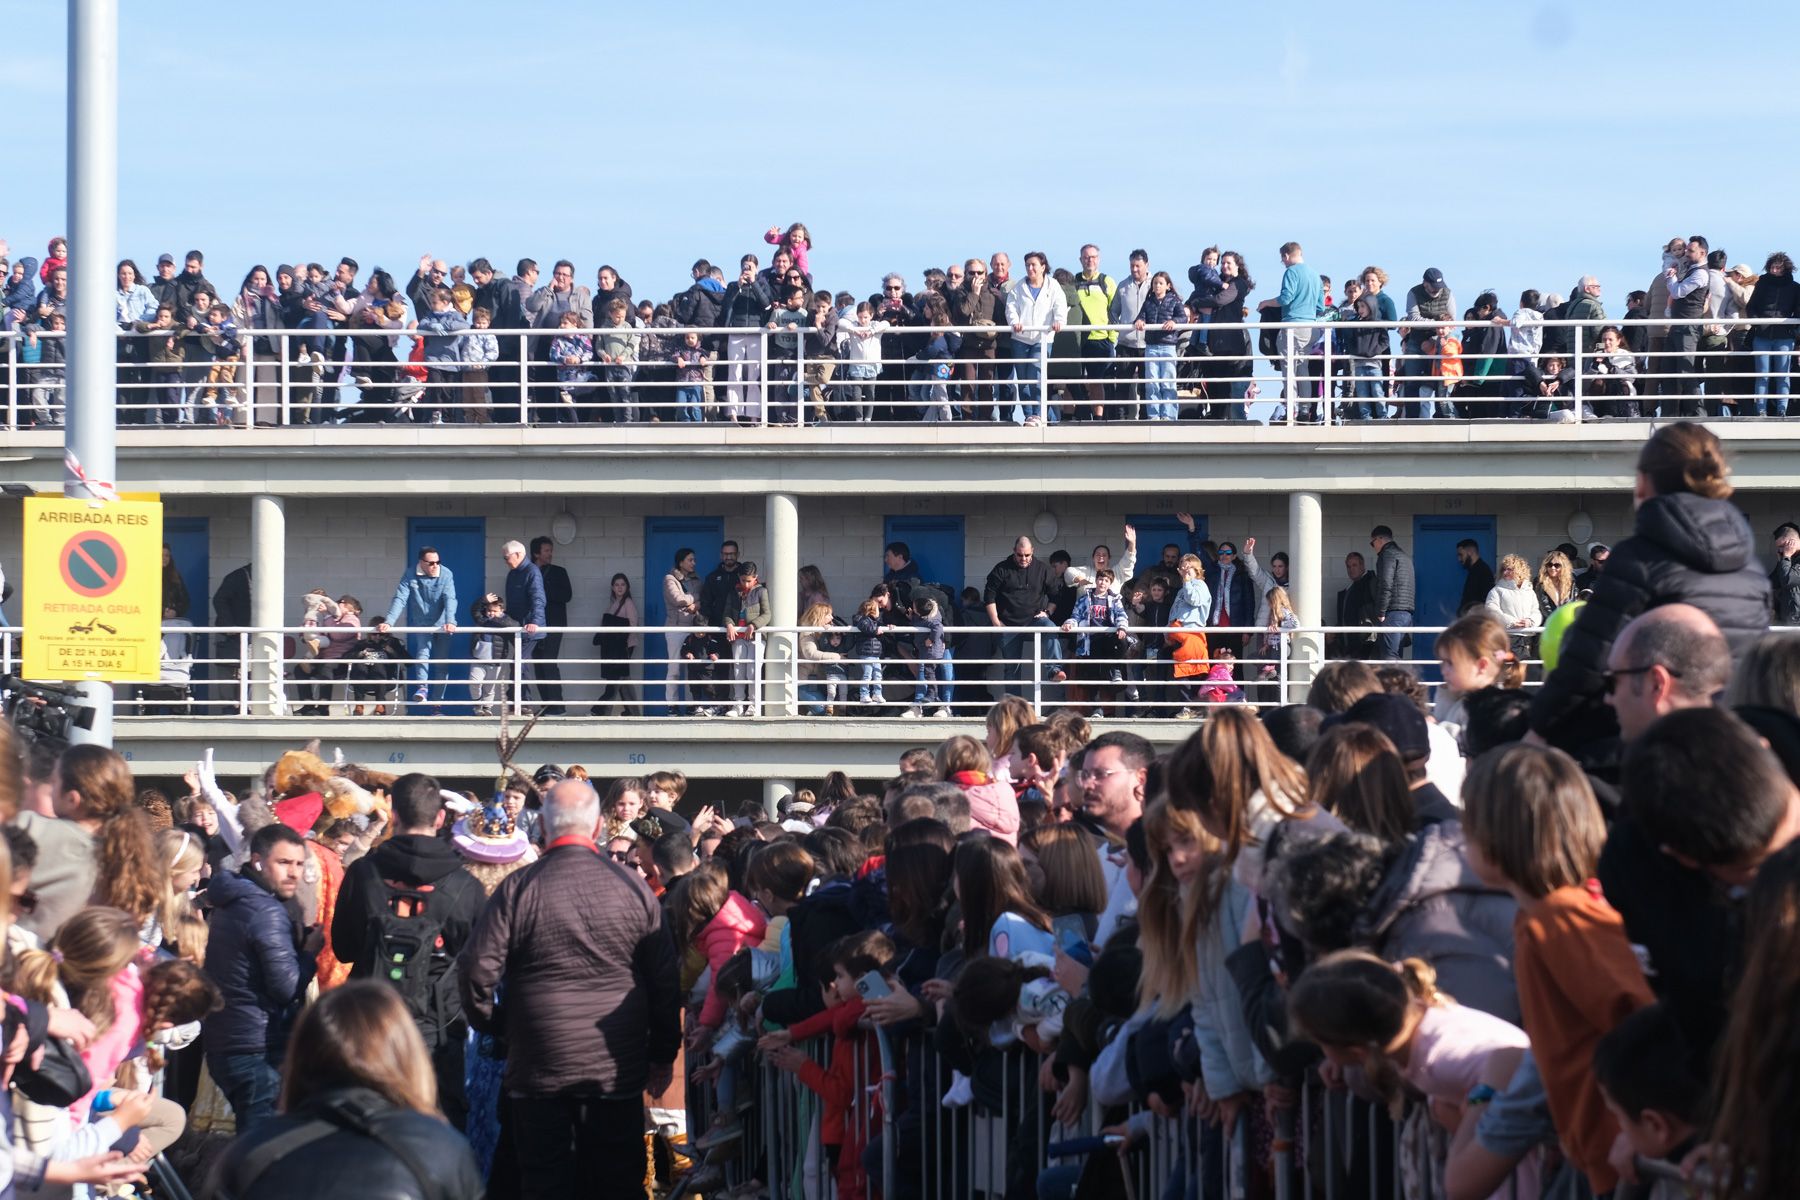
(992, 805)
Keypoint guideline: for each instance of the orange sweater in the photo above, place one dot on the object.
(1577, 979)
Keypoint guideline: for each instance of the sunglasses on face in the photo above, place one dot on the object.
(621, 856)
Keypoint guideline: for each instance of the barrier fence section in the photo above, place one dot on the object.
(1331, 370)
(922, 1129)
(776, 672)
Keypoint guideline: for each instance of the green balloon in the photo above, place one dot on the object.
(1555, 630)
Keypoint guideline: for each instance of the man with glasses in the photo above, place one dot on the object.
(544, 310)
(1669, 658)
(1112, 773)
(974, 302)
(1037, 310)
(1094, 294)
(1126, 305)
(426, 598)
(1395, 592)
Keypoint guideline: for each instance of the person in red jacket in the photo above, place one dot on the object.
(844, 1125)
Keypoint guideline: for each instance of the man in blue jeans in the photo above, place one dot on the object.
(262, 966)
(426, 597)
(1395, 592)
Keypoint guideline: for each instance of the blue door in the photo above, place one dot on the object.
(187, 539)
(1437, 574)
(937, 548)
(1154, 531)
(462, 543)
(663, 537)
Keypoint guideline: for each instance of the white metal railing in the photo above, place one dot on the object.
(1314, 372)
(703, 672)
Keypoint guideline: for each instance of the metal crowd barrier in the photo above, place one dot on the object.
(1310, 373)
(1005, 1141)
(245, 671)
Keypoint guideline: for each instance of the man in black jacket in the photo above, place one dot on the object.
(720, 585)
(231, 610)
(1784, 577)
(254, 952)
(1353, 607)
(1394, 592)
(414, 872)
(592, 1012)
(1017, 595)
(557, 594)
(1478, 581)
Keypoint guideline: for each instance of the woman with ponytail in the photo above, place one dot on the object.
(1476, 652)
(1690, 545)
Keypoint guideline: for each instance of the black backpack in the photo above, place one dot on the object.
(406, 949)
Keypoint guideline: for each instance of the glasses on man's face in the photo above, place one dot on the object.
(978, 272)
(1098, 776)
(431, 562)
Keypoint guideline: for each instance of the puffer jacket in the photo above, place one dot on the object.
(1784, 582)
(593, 994)
(992, 805)
(1686, 549)
(252, 956)
(1431, 905)
(347, 1162)
(1394, 590)
(737, 925)
(1230, 1063)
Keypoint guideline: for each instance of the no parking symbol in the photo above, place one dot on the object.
(93, 564)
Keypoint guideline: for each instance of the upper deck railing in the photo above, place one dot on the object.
(1316, 373)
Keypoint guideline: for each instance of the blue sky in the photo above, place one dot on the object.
(1512, 145)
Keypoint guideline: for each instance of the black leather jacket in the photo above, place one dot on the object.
(347, 1162)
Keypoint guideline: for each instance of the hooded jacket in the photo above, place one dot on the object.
(1686, 549)
(252, 956)
(699, 305)
(1431, 905)
(23, 295)
(419, 861)
(738, 924)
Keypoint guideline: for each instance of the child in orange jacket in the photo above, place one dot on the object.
(843, 1128)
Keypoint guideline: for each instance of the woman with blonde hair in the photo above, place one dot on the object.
(358, 1079)
(1555, 583)
(821, 663)
(1512, 600)
(184, 861)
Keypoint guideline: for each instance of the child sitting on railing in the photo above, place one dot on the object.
(857, 964)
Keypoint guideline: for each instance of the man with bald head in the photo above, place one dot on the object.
(432, 273)
(1017, 595)
(1669, 658)
(592, 1017)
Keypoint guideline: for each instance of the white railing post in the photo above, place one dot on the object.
(1037, 667)
(762, 374)
(1285, 342)
(248, 383)
(524, 380)
(284, 380)
(800, 378)
(518, 674)
(1326, 383)
(1043, 358)
(1576, 360)
(1281, 669)
(12, 381)
(243, 637)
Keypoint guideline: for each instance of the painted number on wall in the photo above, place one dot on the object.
(636, 760)
(398, 756)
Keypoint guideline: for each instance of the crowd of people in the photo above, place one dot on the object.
(972, 341)
(1534, 942)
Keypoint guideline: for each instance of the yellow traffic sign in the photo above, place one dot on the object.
(93, 590)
